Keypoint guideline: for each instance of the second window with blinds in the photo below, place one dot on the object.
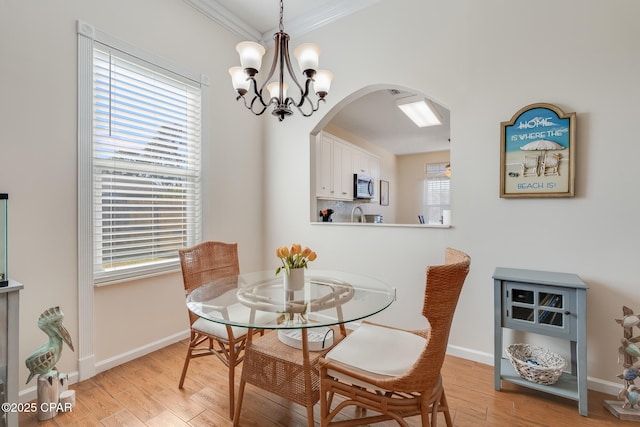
(437, 192)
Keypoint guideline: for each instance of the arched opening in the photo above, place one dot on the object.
(367, 133)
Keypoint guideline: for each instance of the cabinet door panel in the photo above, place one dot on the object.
(534, 307)
(342, 171)
(324, 159)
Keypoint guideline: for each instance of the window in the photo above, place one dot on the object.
(145, 172)
(437, 192)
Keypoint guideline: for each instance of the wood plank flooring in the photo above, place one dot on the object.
(144, 392)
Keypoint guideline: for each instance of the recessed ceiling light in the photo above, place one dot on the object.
(420, 110)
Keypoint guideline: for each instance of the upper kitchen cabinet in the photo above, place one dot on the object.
(334, 176)
(342, 174)
(336, 162)
(324, 169)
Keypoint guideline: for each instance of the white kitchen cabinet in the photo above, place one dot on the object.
(365, 163)
(342, 171)
(361, 162)
(324, 168)
(336, 162)
(334, 174)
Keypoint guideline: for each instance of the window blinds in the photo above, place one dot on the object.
(146, 166)
(437, 192)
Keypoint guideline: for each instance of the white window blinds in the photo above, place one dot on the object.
(146, 166)
(437, 192)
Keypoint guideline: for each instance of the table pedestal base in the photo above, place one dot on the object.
(283, 370)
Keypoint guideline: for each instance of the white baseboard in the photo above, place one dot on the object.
(597, 384)
(112, 362)
(30, 393)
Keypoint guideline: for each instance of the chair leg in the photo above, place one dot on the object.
(233, 356)
(427, 416)
(310, 422)
(325, 399)
(186, 365)
(238, 408)
(444, 407)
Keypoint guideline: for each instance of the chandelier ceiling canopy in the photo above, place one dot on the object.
(243, 77)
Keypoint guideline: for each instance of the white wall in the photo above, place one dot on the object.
(38, 146)
(410, 189)
(484, 61)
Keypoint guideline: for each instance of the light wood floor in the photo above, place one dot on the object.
(144, 392)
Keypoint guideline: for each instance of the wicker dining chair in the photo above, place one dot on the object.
(201, 264)
(392, 372)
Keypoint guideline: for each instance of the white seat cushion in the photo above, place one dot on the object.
(238, 312)
(378, 351)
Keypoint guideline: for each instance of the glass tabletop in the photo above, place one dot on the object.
(259, 300)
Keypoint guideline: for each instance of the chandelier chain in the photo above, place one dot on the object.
(281, 14)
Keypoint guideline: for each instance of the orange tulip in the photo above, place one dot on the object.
(294, 257)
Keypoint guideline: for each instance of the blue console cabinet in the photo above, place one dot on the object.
(544, 303)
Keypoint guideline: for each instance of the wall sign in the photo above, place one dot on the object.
(537, 153)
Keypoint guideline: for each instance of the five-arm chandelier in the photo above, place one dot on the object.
(307, 55)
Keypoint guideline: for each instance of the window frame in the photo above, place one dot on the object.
(87, 37)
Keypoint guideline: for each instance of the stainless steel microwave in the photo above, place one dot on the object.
(362, 186)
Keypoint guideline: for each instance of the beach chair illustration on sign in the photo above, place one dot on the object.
(530, 166)
(550, 165)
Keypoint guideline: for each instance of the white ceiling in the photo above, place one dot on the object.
(376, 118)
(259, 19)
(373, 117)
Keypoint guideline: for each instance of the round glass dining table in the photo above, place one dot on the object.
(259, 300)
(305, 318)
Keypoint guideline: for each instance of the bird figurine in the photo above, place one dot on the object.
(629, 320)
(630, 348)
(630, 395)
(629, 374)
(44, 358)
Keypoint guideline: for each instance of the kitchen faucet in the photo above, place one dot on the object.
(361, 213)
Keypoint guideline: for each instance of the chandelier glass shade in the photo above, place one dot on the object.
(273, 91)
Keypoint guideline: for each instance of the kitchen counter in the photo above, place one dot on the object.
(382, 224)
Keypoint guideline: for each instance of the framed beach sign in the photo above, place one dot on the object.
(537, 153)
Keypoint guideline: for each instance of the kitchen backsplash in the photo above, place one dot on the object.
(342, 209)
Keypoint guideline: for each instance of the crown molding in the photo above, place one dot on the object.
(318, 18)
(218, 13)
(295, 27)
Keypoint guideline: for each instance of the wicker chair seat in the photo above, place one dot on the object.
(376, 351)
(236, 311)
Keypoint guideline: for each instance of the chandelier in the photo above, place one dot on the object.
(244, 77)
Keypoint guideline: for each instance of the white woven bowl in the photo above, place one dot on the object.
(536, 364)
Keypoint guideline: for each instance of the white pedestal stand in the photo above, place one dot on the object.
(54, 395)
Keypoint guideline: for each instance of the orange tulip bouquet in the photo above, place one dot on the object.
(294, 257)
